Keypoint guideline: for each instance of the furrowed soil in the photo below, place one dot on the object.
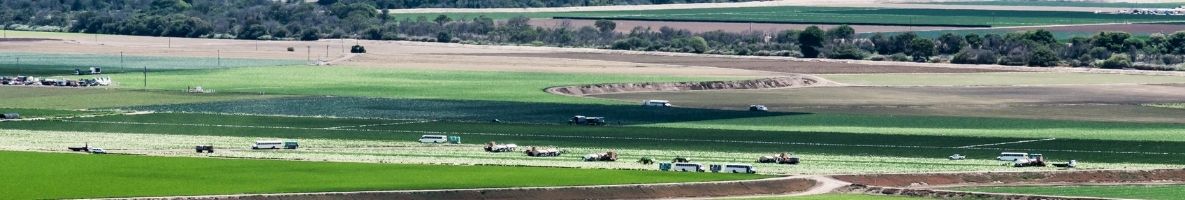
(624, 26)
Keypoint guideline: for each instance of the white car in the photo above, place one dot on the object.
(656, 103)
(434, 139)
(98, 151)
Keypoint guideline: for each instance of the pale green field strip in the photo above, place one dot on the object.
(84, 98)
(1164, 192)
(409, 152)
(78, 175)
(1167, 105)
(389, 83)
(999, 79)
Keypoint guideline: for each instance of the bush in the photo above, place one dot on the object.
(291, 49)
(975, 56)
(309, 35)
(444, 37)
(900, 57)
(1043, 57)
(1117, 61)
(850, 52)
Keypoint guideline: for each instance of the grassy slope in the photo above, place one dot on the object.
(75, 98)
(1127, 191)
(53, 175)
(849, 15)
(370, 82)
(1026, 78)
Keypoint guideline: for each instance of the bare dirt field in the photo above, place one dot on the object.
(624, 26)
(770, 65)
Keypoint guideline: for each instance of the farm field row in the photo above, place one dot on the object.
(836, 197)
(91, 98)
(43, 175)
(837, 15)
(49, 64)
(374, 82)
(1063, 4)
(1152, 192)
(1120, 148)
(404, 151)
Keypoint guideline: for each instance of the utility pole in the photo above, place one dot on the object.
(327, 52)
(145, 77)
(20, 68)
(122, 67)
(170, 43)
(308, 58)
(220, 58)
(343, 42)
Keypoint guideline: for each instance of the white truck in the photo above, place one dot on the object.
(738, 168)
(434, 139)
(275, 144)
(656, 103)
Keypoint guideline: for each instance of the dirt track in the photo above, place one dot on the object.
(1057, 177)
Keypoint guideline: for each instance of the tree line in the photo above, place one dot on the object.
(297, 20)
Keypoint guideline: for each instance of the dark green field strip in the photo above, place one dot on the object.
(1063, 4)
(247, 120)
(666, 139)
(1164, 192)
(60, 175)
(775, 21)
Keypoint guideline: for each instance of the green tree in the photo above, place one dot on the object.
(444, 37)
(841, 32)
(1041, 36)
(950, 43)
(973, 40)
(605, 26)
(442, 19)
(1043, 57)
(810, 40)
(921, 49)
(1117, 61)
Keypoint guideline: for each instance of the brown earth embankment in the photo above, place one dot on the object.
(613, 88)
(947, 194)
(641, 191)
(996, 178)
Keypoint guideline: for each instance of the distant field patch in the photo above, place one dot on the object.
(838, 197)
(77, 98)
(1000, 79)
(42, 175)
(1063, 4)
(835, 15)
(46, 64)
(1164, 192)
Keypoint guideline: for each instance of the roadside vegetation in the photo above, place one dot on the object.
(1152, 192)
(41, 176)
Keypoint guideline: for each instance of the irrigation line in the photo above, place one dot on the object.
(1003, 143)
(630, 138)
(384, 124)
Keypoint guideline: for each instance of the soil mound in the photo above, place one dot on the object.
(765, 83)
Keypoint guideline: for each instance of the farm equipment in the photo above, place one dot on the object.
(607, 156)
(84, 147)
(204, 148)
(646, 161)
(10, 116)
(680, 160)
(92, 70)
(357, 49)
(656, 103)
(495, 147)
(535, 152)
(956, 157)
(1071, 164)
(758, 108)
(585, 120)
(1033, 160)
(782, 158)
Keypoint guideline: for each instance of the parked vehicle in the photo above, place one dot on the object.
(495, 147)
(688, 167)
(1033, 160)
(536, 152)
(1011, 156)
(758, 108)
(956, 157)
(607, 156)
(1071, 164)
(205, 148)
(10, 116)
(98, 151)
(737, 168)
(275, 145)
(434, 139)
(585, 120)
(656, 103)
(783, 158)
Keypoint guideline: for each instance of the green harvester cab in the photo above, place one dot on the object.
(664, 166)
(454, 139)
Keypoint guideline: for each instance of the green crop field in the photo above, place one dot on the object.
(793, 14)
(60, 175)
(371, 82)
(45, 64)
(1005, 78)
(1064, 4)
(1117, 149)
(75, 98)
(1164, 192)
(837, 197)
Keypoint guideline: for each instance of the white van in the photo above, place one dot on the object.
(738, 168)
(434, 139)
(276, 144)
(1012, 156)
(688, 167)
(656, 103)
